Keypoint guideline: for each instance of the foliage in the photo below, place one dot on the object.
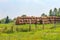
(43, 14)
(55, 12)
(21, 32)
(2, 20)
(59, 12)
(23, 15)
(50, 12)
(7, 20)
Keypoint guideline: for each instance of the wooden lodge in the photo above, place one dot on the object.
(38, 20)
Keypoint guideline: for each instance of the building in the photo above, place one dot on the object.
(37, 20)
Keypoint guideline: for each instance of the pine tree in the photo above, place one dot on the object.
(55, 12)
(59, 12)
(50, 12)
(7, 20)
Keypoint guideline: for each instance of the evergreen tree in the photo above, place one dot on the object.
(59, 12)
(55, 12)
(50, 12)
(7, 20)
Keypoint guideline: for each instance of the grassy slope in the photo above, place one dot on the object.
(35, 34)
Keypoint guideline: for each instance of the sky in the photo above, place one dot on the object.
(15, 8)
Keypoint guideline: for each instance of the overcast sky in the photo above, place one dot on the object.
(14, 8)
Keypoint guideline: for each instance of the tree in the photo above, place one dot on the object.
(43, 14)
(55, 12)
(13, 20)
(7, 20)
(2, 20)
(50, 12)
(23, 16)
(59, 12)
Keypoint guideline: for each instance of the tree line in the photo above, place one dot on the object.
(6, 20)
(55, 12)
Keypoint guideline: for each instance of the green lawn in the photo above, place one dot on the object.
(48, 33)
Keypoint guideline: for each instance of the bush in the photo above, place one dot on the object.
(21, 30)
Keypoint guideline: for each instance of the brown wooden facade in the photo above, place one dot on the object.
(38, 20)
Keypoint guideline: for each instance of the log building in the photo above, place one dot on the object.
(38, 20)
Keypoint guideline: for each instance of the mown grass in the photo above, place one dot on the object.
(35, 34)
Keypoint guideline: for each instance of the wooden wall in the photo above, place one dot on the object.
(38, 20)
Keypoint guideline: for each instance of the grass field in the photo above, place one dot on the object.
(48, 33)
